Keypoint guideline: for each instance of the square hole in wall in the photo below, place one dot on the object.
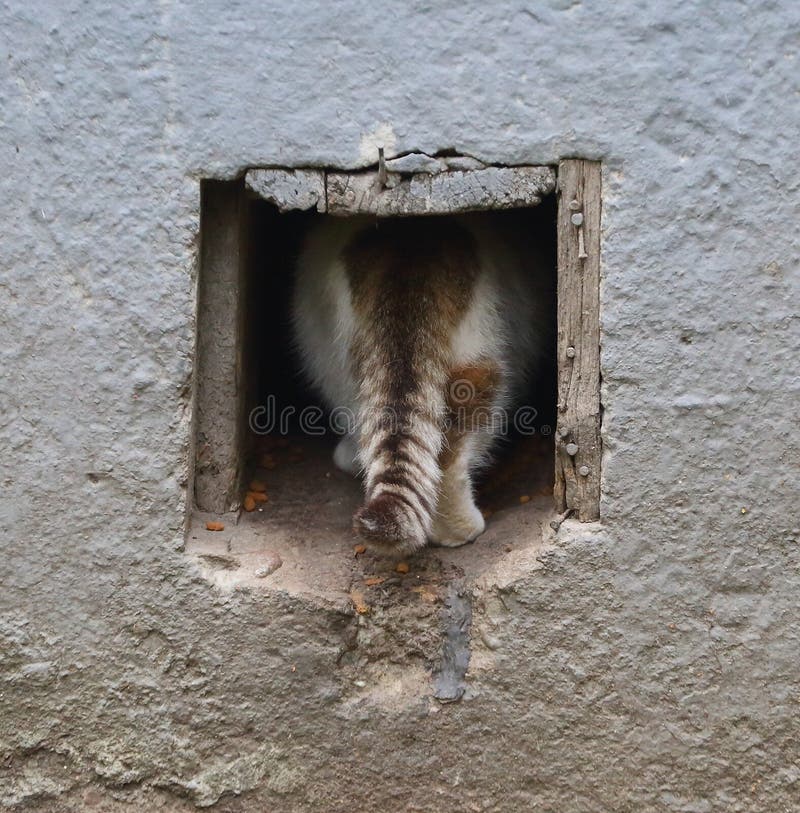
(264, 441)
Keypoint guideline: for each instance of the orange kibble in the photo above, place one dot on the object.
(359, 549)
(258, 485)
(524, 498)
(249, 503)
(361, 607)
(371, 581)
(402, 567)
(257, 496)
(215, 526)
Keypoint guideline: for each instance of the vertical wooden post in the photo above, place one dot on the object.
(578, 449)
(220, 388)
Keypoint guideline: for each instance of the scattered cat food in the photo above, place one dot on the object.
(249, 503)
(524, 498)
(258, 485)
(361, 607)
(359, 549)
(402, 567)
(257, 496)
(215, 526)
(425, 593)
(371, 581)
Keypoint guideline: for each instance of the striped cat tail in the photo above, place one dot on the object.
(400, 454)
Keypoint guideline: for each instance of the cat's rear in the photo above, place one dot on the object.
(422, 328)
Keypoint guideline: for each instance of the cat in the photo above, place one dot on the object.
(426, 329)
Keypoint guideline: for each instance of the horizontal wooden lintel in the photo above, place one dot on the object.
(418, 193)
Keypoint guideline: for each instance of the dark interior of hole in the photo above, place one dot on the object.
(276, 389)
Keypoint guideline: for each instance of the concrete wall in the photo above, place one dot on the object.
(650, 664)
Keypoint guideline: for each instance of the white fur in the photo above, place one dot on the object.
(322, 312)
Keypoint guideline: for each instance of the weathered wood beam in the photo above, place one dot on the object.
(219, 421)
(578, 443)
(421, 192)
(288, 189)
(441, 193)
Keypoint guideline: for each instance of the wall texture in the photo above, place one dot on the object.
(648, 665)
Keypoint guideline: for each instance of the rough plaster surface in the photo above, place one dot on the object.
(647, 665)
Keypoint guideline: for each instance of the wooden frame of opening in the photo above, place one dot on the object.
(220, 386)
(578, 444)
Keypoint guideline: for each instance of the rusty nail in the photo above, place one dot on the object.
(382, 174)
(582, 255)
(555, 524)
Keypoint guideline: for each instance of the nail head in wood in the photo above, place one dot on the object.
(583, 471)
(574, 205)
(570, 352)
(572, 449)
(577, 219)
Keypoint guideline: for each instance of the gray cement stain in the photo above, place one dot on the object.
(450, 677)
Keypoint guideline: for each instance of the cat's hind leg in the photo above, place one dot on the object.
(457, 519)
(471, 394)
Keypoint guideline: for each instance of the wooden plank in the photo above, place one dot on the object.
(578, 443)
(219, 420)
(288, 189)
(443, 193)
